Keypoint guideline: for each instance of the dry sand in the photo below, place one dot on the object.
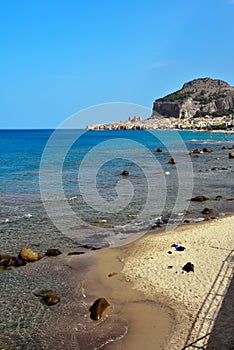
(169, 308)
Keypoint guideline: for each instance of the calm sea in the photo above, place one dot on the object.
(64, 189)
(71, 181)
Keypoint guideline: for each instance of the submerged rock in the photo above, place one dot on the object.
(172, 161)
(207, 211)
(7, 260)
(159, 150)
(199, 199)
(29, 255)
(207, 150)
(197, 150)
(50, 300)
(97, 309)
(48, 296)
(53, 252)
(125, 172)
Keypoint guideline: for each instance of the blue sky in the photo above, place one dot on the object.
(60, 56)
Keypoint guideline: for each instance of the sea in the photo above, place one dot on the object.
(71, 188)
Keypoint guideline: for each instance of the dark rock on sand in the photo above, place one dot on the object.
(231, 155)
(29, 255)
(199, 199)
(97, 309)
(207, 211)
(172, 161)
(188, 267)
(53, 252)
(125, 172)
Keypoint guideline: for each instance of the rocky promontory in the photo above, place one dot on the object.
(201, 104)
(197, 98)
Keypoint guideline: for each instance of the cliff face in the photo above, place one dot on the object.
(197, 98)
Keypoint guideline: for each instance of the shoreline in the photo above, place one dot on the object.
(142, 272)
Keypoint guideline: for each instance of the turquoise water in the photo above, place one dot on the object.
(65, 189)
(76, 184)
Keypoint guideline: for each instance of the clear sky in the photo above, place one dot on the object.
(60, 56)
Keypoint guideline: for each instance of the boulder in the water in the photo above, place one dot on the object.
(231, 155)
(125, 172)
(199, 199)
(97, 308)
(207, 150)
(172, 161)
(207, 211)
(50, 300)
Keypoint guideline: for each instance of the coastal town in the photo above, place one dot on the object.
(206, 123)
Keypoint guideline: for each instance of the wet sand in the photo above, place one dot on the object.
(166, 307)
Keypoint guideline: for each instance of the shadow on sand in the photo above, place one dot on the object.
(212, 328)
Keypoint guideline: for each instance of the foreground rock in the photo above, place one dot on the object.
(48, 296)
(97, 308)
(29, 255)
(231, 155)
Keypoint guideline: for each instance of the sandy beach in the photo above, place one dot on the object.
(191, 309)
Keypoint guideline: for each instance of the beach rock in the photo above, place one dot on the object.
(159, 150)
(199, 199)
(196, 156)
(53, 252)
(197, 150)
(7, 260)
(207, 211)
(188, 267)
(50, 300)
(207, 150)
(97, 308)
(231, 155)
(218, 198)
(29, 255)
(125, 172)
(172, 161)
(224, 147)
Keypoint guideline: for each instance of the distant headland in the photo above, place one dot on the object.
(201, 104)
